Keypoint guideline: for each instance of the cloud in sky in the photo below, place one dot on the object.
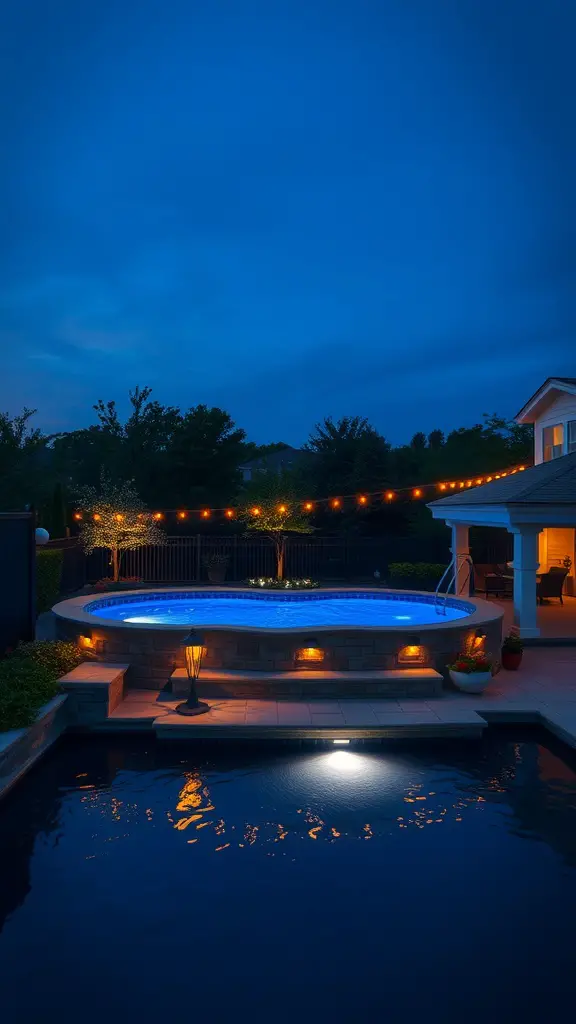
(293, 211)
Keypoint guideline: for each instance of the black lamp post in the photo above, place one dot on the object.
(193, 652)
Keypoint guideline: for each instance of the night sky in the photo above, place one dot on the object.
(290, 208)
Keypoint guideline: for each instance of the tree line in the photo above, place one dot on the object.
(191, 458)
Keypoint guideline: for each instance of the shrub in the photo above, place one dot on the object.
(272, 583)
(48, 576)
(25, 686)
(420, 570)
(56, 656)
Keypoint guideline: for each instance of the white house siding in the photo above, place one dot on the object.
(561, 410)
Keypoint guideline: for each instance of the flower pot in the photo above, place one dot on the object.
(217, 573)
(511, 659)
(470, 682)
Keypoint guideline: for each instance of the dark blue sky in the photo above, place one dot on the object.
(291, 208)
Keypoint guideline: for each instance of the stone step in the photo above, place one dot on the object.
(392, 683)
(94, 689)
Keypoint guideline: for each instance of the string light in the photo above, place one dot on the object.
(334, 503)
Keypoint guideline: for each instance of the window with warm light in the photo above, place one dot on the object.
(571, 430)
(552, 442)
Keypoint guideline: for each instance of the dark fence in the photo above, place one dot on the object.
(18, 573)
(329, 559)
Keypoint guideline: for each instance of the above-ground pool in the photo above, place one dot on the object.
(347, 630)
(278, 611)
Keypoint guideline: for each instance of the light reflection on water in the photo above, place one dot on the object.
(136, 864)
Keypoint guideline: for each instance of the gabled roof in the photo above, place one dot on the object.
(550, 483)
(544, 396)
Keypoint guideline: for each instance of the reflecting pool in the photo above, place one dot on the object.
(142, 881)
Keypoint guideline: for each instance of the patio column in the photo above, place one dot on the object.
(461, 552)
(525, 566)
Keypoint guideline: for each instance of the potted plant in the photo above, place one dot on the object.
(512, 649)
(216, 565)
(471, 673)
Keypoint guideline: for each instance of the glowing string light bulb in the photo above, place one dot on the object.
(308, 506)
(335, 503)
(255, 511)
(229, 513)
(282, 509)
(417, 493)
(205, 513)
(389, 495)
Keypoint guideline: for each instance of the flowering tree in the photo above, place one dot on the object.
(114, 517)
(271, 507)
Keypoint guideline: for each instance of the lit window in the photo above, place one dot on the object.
(571, 425)
(552, 442)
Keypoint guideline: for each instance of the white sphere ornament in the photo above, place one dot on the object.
(42, 535)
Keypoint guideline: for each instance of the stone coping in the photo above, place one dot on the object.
(75, 610)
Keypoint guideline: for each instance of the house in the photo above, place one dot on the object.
(284, 460)
(538, 505)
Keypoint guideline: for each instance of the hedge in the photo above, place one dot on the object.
(49, 563)
(423, 570)
(29, 678)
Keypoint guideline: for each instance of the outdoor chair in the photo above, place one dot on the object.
(551, 583)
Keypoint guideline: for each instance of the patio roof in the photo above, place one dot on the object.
(550, 483)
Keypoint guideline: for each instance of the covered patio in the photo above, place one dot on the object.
(529, 504)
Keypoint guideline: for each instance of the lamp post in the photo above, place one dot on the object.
(193, 646)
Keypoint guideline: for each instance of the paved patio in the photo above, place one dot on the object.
(555, 620)
(543, 690)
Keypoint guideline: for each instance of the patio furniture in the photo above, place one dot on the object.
(551, 583)
(491, 580)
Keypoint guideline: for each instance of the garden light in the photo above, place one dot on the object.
(193, 646)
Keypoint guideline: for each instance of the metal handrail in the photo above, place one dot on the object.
(455, 565)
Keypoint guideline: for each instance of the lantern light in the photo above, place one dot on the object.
(412, 652)
(310, 651)
(193, 646)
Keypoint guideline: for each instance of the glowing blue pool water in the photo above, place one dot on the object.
(276, 611)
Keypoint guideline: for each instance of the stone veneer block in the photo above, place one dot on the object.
(94, 689)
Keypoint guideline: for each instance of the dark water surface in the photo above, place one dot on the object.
(142, 882)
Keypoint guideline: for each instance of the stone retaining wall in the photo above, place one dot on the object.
(153, 654)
